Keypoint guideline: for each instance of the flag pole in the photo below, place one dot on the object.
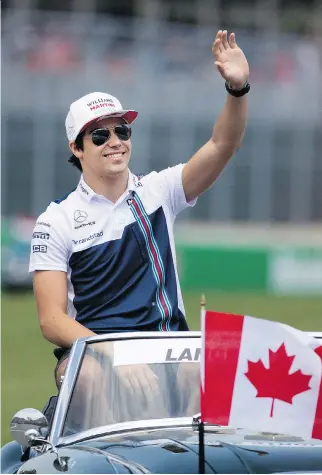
(201, 427)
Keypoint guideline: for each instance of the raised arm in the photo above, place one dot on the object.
(57, 326)
(201, 171)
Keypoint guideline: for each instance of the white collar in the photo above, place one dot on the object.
(87, 192)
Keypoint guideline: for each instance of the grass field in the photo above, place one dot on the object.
(28, 362)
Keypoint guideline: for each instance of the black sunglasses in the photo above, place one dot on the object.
(100, 136)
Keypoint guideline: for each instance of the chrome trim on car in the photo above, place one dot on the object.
(123, 427)
(72, 368)
(157, 334)
(141, 335)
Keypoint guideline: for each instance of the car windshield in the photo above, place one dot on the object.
(135, 379)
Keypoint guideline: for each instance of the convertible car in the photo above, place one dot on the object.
(129, 403)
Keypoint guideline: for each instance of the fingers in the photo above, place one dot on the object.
(222, 42)
(232, 40)
(142, 380)
(217, 46)
(128, 382)
(224, 39)
(146, 383)
(137, 384)
(148, 380)
(153, 382)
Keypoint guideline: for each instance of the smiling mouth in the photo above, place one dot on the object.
(113, 155)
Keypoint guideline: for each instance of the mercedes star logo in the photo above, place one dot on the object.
(80, 216)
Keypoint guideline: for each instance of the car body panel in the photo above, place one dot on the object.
(177, 451)
(225, 451)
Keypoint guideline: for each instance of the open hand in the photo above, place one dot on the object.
(139, 378)
(230, 60)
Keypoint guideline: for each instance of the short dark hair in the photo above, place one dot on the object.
(80, 145)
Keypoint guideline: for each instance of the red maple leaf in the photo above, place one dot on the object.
(275, 381)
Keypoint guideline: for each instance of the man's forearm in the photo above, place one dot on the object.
(63, 330)
(230, 126)
(208, 162)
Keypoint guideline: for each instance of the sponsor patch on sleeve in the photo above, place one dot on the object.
(40, 235)
(39, 248)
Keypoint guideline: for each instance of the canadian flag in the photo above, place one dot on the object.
(260, 375)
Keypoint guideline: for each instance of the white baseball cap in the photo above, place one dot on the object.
(91, 108)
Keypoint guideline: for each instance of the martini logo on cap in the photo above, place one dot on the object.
(101, 102)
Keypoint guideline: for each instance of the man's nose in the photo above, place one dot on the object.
(114, 141)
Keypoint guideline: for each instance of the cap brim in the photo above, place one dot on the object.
(128, 115)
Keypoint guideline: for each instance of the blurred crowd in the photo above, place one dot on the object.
(56, 44)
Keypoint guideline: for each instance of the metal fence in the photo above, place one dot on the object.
(166, 71)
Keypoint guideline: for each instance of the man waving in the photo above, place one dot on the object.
(103, 256)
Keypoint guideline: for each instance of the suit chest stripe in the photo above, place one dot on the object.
(154, 269)
(146, 216)
(156, 261)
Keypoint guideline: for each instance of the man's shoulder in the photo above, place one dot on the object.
(52, 219)
(57, 211)
(66, 198)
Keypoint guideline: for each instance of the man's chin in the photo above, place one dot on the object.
(117, 169)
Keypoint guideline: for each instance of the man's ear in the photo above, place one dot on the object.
(75, 150)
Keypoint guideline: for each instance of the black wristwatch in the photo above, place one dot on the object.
(238, 92)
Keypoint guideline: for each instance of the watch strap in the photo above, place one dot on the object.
(237, 92)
